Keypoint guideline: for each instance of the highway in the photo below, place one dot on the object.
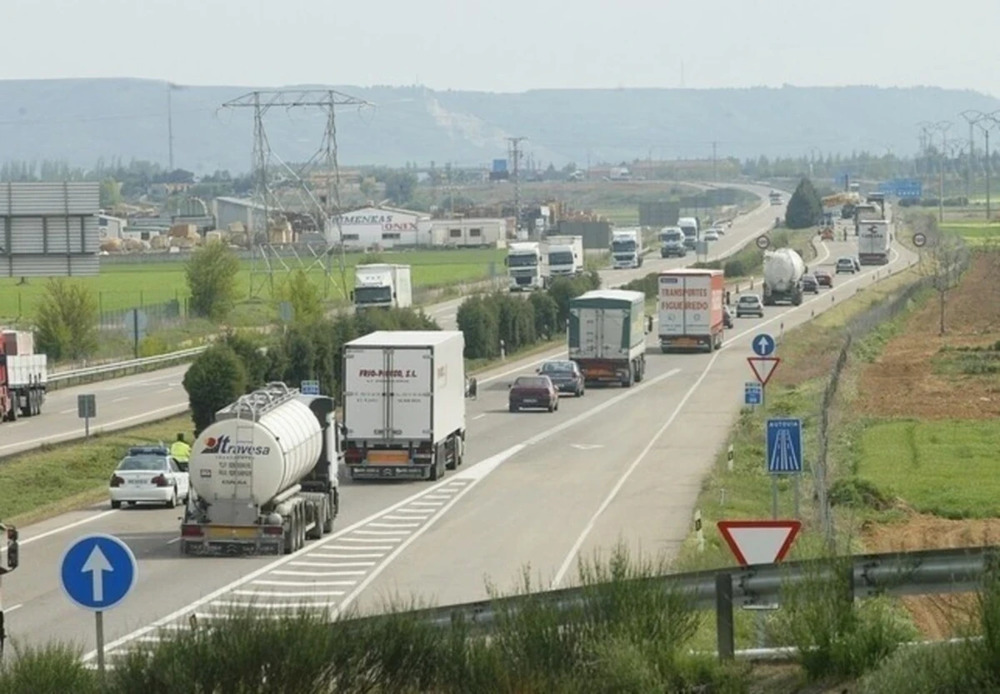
(132, 400)
(537, 488)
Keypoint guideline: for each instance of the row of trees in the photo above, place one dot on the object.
(310, 349)
(500, 321)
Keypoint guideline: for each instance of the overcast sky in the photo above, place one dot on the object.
(507, 45)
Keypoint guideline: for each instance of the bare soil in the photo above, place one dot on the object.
(901, 383)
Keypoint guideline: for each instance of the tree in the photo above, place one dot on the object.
(67, 320)
(252, 355)
(215, 379)
(111, 193)
(399, 186)
(211, 277)
(943, 259)
(805, 207)
(303, 295)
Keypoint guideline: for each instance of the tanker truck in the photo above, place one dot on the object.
(783, 270)
(263, 475)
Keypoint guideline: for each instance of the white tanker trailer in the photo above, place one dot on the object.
(264, 475)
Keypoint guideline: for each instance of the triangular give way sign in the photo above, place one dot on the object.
(763, 367)
(759, 541)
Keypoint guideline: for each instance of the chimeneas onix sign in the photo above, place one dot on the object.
(388, 222)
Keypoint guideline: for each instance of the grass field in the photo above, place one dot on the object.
(944, 467)
(124, 286)
(974, 233)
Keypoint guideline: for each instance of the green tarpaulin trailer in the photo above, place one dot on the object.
(607, 335)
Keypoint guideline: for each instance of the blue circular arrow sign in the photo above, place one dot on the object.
(763, 345)
(98, 571)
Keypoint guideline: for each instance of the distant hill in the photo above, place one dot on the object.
(81, 121)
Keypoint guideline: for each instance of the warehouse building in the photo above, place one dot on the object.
(382, 227)
(469, 233)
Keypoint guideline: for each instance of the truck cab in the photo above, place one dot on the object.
(689, 227)
(626, 248)
(382, 285)
(527, 265)
(565, 255)
(672, 240)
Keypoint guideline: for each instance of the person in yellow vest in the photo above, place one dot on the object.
(181, 452)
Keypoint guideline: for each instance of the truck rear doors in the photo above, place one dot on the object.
(388, 393)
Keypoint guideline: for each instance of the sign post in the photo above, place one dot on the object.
(86, 407)
(784, 456)
(97, 572)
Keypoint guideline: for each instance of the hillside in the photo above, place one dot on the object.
(80, 121)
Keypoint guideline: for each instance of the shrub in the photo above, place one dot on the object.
(211, 277)
(215, 379)
(67, 320)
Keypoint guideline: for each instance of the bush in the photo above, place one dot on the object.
(215, 379)
(67, 320)
(211, 277)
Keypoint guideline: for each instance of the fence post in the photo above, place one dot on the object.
(724, 616)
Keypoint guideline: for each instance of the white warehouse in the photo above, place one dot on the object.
(465, 233)
(386, 227)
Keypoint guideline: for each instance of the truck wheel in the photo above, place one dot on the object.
(454, 455)
(328, 513)
(116, 504)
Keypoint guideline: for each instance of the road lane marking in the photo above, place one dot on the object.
(369, 539)
(304, 584)
(68, 526)
(478, 416)
(317, 573)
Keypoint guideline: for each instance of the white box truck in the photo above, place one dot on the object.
(626, 248)
(380, 285)
(263, 475)
(528, 266)
(565, 255)
(404, 404)
(23, 376)
(690, 308)
(691, 228)
(873, 242)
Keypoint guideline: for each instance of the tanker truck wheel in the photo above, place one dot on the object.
(328, 513)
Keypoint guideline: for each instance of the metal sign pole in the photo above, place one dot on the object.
(774, 497)
(796, 479)
(99, 618)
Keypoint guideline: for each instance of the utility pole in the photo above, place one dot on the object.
(943, 127)
(970, 116)
(715, 166)
(987, 122)
(515, 158)
(170, 126)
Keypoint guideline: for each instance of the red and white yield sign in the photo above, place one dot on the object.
(763, 367)
(759, 541)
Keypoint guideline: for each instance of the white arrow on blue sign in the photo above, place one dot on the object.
(98, 571)
(784, 445)
(763, 345)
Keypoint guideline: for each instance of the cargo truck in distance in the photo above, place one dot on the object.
(565, 255)
(783, 270)
(263, 475)
(381, 285)
(873, 242)
(23, 376)
(626, 248)
(690, 305)
(689, 226)
(607, 336)
(528, 266)
(672, 240)
(404, 404)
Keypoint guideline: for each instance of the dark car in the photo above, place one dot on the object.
(810, 284)
(533, 392)
(565, 376)
(823, 278)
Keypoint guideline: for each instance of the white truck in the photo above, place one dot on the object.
(690, 227)
(672, 240)
(607, 336)
(381, 285)
(783, 270)
(873, 242)
(263, 475)
(404, 404)
(626, 248)
(690, 310)
(23, 376)
(565, 255)
(528, 266)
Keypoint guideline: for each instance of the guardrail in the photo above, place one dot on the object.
(90, 374)
(924, 572)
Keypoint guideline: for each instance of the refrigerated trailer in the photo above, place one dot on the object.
(690, 309)
(404, 404)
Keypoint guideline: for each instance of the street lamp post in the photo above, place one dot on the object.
(986, 124)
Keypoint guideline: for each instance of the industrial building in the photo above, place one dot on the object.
(384, 227)
(469, 233)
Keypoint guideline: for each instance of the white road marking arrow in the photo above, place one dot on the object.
(97, 564)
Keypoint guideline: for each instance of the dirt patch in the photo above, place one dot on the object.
(901, 382)
(936, 616)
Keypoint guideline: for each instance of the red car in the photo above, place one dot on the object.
(533, 392)
(823, 278)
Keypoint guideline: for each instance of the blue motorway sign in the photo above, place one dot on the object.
(903, 188)
(784, 446)
(309, 387)
(763, 345)
(98, 571)
(753, 393)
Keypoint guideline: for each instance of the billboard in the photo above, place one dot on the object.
(49, 229)
(902, 188)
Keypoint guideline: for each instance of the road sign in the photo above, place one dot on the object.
(784, 445)
(919, 239)
(309, 387)
(763, 367)
(759, 541)
(762, 242)
(86, 406)
(98, 571)
(763, 345)
(285, 312)
(753, 393)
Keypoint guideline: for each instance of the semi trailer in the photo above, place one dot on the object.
(607, 336)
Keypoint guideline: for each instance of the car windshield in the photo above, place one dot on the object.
(143, 462)
(531, 382)
(748, 300)
(846, 261)
(557, 367)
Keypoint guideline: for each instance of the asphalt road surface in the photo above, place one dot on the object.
(539, 489)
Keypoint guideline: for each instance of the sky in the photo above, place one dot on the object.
(507, 46)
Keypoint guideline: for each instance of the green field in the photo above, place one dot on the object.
(974, 231)
(944, 467)
(124, 286)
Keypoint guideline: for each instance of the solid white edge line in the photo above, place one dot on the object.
(68, 526)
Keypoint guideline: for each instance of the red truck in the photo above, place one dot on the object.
(690, 309)
(23, 375)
